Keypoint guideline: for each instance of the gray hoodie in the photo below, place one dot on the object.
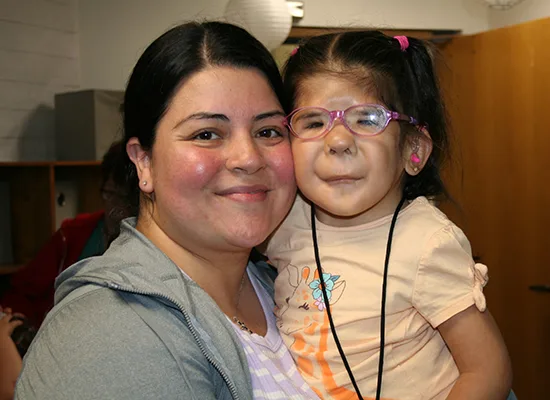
(130, 325)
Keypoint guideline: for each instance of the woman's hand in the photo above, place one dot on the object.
(480, 354)
(10, 361)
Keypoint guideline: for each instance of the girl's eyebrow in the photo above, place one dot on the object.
(310, 114)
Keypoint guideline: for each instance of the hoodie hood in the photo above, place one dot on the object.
(133, 263)
(151, 288)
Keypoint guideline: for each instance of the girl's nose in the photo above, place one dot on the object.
(339, 140)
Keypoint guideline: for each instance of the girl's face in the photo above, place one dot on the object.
(352, 180)
(221, 168)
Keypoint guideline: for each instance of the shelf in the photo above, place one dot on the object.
(40, 195)
(7, 269)
(298, 33)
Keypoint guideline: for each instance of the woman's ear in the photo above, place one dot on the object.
(142, 161)
(417, 151)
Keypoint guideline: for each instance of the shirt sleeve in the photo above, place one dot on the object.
(448, 280)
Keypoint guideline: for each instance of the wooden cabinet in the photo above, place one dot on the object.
(497, 89)
(40, 195)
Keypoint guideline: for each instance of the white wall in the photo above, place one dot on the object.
(528, 10)
(49, 46)
(466, 15)
(113, 33)
(38, 57)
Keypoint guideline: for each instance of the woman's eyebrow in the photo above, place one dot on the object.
(203, 115)
(225, 118)
(269, 114)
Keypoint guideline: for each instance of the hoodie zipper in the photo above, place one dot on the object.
(196, 336)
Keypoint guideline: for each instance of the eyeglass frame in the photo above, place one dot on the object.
(339, 114)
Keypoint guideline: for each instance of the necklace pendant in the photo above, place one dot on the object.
(242, 325)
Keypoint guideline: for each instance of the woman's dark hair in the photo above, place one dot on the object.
(168, 63)
(113, 171)
(404, 80)
(109, 165)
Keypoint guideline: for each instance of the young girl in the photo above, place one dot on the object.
(398, 310)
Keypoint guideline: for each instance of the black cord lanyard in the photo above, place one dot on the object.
(382, 306)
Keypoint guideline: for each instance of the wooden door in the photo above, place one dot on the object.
(497, 88)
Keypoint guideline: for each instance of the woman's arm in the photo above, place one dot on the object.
(480, 354)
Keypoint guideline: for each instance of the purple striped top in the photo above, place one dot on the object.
(272, 368)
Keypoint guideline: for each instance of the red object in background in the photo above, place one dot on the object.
(31, 290)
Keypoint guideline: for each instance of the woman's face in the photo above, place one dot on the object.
(221, 168)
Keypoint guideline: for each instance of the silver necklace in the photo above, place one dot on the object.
(236, 319)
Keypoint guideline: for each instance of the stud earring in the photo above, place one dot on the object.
(144, 183)
(415, 160)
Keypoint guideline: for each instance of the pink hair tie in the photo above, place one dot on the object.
(294, 51)
(403, 42)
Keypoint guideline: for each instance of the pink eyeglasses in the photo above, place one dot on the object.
(310, 123)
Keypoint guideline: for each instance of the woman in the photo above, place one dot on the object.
(167, 310)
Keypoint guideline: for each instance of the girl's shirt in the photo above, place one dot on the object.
(431, 278)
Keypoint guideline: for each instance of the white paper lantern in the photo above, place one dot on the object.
(269, 21)
(502, 4)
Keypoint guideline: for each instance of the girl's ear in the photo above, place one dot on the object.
(142, 161)
(417, 151)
